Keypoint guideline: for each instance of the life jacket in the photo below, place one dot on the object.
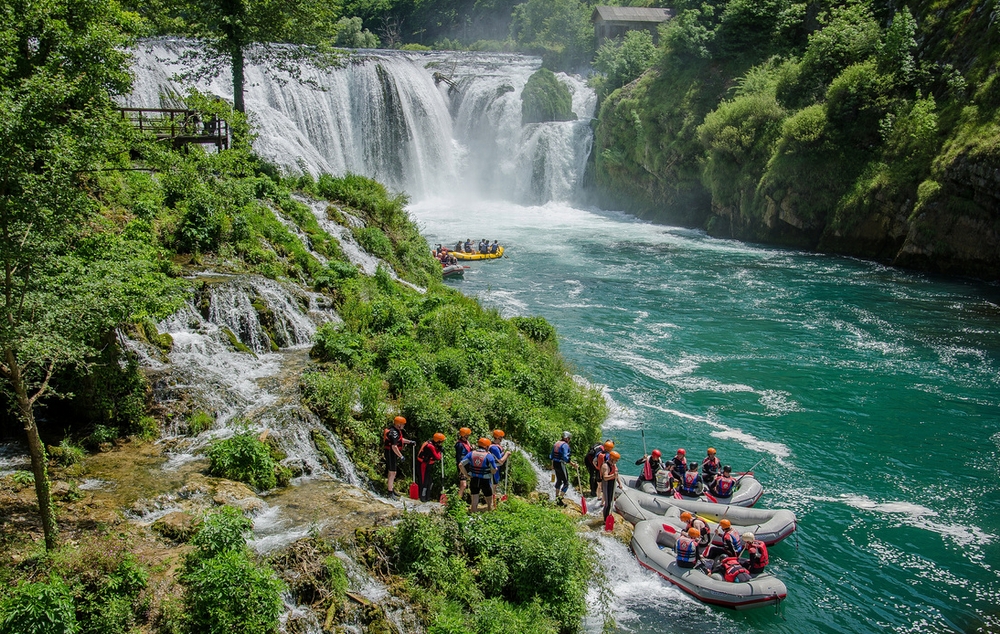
(732, 542)
(428, 453)
(687, 549)
(679, 467)
(479, 461)
(556, 455)
(724, 486)
(710, 467)
(689, 483)
(700, 524)
(663, 482)
(758, 556)
(462, 448)
(600, 458)
(388, 443)
(612, 470)
(732, 568)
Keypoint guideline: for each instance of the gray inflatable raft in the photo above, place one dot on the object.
(769, 526)
(747, 492)
(653, 547)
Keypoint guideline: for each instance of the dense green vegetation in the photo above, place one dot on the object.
(545, 98)
(854, 128)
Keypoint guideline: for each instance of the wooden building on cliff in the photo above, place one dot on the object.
(614, 22)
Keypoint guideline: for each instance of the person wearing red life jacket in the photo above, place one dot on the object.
(732, 544)
(725, 485)
(691, 484)
(609, 478)
(600, 453)
(462, 448)
(479, 466)
(392, 445)
(650, 465)
(686, 548)
(428, 454)
(678, 465)
(710, 467)
(756, 551)
(731, 570)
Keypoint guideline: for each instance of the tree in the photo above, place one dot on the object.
(65, 280)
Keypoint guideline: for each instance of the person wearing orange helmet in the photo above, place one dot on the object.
(392, 445)
(710, 467)
(500, 453)
(609, 478)
(693, 521)
(650, 465)
(732, 543)
(686, 548)
(479, 466)
(462, 448)
(560, 457)
(593, 461)
(428, 454)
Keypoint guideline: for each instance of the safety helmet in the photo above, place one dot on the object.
(694, 532)
(498, 433)
(724, 523)
(693, 466)
(566, 435)
(681, 452)
(711, 451)
(438, 437)
(615, 455)
(747, 536)
(726, 469)
(686, 516)
(608, 445)
(656, 453)
(465, 431)
(399, 420)
(484, 442)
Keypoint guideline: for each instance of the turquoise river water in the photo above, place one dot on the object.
(871, 394)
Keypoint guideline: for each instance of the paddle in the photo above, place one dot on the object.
(609, 524)
(749, 472)
(414, 489)
(583, 500)
(443, 498)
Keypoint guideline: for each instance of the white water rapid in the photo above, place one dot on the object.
(383, 115)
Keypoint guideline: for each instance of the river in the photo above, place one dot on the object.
(870, 393)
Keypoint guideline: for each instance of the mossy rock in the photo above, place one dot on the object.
(545, 98)
(323, 447)
(235, 342)
(178, 526)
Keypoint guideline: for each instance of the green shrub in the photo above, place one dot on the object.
(331, 394)
(538, 329)
(221, 531)
(245, 458)
(335, 343)
(229, 593)
(545, 98)
(404, 377)
(450, 368)
(374, 241)
(66, 454)
(39, 608)
(198, 422)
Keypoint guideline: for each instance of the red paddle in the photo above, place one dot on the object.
(414, 489)
(670, 529)
(443, 498)
(609, 524)
(711, 498)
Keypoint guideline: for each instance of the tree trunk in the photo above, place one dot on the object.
(39, 461)
(238, 80)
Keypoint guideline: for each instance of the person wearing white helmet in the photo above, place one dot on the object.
(756, 552)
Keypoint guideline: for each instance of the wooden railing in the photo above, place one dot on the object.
(179, 126)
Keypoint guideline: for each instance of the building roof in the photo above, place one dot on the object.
(630, 14)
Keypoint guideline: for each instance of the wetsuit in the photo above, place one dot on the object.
(590, 461)
(392, 437)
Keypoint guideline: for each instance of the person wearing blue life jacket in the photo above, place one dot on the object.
(691, 483)
(678, 466)
(650, 465)
(501, 456)
(686, 548)
(732, 543)
(725, 485)
(462, 448)
(560, 458)
(479, 466)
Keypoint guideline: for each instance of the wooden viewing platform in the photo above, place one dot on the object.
(179, 126)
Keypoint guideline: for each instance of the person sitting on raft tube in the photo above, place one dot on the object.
(560, 458)
(462, 448)
(725, 485)
(695, 522)
(732, 544)
(710, 467)
(757, 552)
(686, 548)
(597, 456)
(691, 484)
(678, 466)
(650, 465)
(482, 465)
(609, 477)
(731, 570)
(428, 454)
(467, 247)
(494, 248)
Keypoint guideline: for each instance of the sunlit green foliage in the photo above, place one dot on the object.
(620, 62)
(545, 98)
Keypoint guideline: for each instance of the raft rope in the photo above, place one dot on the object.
(777, 608)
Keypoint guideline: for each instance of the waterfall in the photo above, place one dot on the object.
(383, 114)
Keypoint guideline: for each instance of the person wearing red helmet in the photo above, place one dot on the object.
(678, 466)
(462, 448)
(650, 465)
(428, 454)
(392, 445)
(479, 466)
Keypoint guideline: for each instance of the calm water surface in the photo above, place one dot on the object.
(871, 394)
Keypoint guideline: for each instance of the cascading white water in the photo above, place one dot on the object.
(383, 115)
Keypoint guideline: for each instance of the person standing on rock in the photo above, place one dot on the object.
(480, 465)
(429, 454)
(462, 449)
(501, 455)
(392, 444)
(609, 477)
(560, 458)
(593, 461)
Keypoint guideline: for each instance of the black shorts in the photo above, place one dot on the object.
(482, 486)
(391, 460)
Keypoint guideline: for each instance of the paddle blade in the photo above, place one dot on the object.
(503, 498)
(414, 491)
(609, 524)
(711, 498)
(583, 505)
(677, 495)
(670, 529)
(444, 498)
